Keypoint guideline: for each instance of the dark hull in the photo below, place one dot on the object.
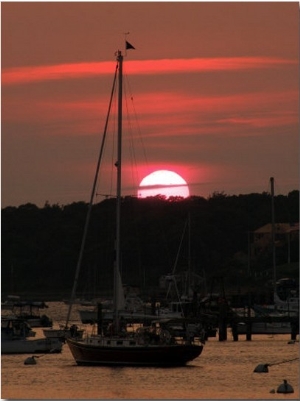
(159, 355)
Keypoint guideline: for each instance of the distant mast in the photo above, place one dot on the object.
(273, 233)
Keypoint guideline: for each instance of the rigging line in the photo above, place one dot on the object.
(180, 245)
(137, 120)
(134, 173)
(177, 256)
(90, 204)
(113, 151)
(286, 360)
(132, 152)
(111, 159)
(128, 88)
(278, 199)
(282, 206)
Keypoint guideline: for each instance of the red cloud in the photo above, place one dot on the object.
(23, 75)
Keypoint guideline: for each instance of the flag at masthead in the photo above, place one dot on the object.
(129, 46)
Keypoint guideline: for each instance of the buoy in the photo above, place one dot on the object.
(30, 361)
(285, 387)
(262, 368)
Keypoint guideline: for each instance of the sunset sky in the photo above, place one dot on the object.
(212, 95)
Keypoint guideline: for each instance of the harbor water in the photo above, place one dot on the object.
(224, 370)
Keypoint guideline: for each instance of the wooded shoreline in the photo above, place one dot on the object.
(40, 246)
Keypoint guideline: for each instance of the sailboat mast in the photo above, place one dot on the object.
(273, 232)
(189, 257)
(119, 182)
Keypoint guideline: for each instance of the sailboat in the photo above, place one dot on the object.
(147, 346)
(290, 305)
(185, 302)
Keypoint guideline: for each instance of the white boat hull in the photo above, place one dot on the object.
(266, 328)
(62, 334)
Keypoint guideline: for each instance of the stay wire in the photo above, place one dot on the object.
(139, 135)
(90, 203)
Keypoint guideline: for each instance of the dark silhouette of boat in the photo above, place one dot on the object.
(154, 345)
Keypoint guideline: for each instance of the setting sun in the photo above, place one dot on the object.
(163, 182)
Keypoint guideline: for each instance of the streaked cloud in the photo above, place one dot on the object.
(23, 75)
(174, 113)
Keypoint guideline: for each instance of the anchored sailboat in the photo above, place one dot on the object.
(290, 305)
(148, 346)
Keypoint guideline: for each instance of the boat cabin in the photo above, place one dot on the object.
(112, 342)
(15, 328)
(30, 311)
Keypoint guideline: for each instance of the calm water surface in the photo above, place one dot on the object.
(223, 371)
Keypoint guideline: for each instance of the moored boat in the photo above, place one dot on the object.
(26, 346)
(116, 351)
(116, 345)
(265, 328)
(8, 304)
(30, 311)
(62, 333)
(15, 339)
(147, 346)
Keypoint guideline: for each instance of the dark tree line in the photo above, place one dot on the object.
(40, 246)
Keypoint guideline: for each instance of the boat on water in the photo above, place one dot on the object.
(62, 332)
(82, 302)
(147, 346)
(9, 302)
(286, 290)
(30, 311)
(153, 345)
(287, 306)
(265, 328)
(16, 338)
(130, 307)
(269, 321)
(286, 297)
(91, 316)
